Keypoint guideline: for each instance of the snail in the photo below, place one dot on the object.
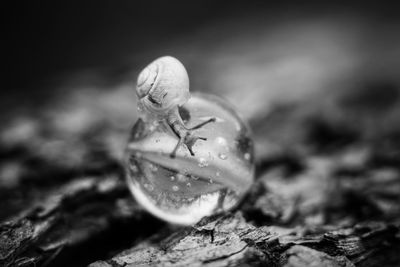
(180, 186)
(162, 87)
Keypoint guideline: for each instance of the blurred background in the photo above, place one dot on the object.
(74, 65)
(255, 54)
(270, 48)
(318, 82)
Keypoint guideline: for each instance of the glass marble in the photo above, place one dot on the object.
(184, 189)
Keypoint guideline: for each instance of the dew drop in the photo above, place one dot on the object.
(153, 168)
(134, 168)
(187, 189)
(238, 126)
(149, 187)
(203, 162)
(175, 188)
(221, 141)
(222, 156)
(181, 178)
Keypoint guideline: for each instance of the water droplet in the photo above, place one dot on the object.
(149, 187)
(238, 126)
(181, 178)
(153, 168)
(203, 162)
(222, 156)
(134, 168)
(221, 141)
(175, 188)
(247, 156)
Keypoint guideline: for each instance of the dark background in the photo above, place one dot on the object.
(47, 41)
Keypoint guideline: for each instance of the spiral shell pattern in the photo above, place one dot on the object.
(163, 85)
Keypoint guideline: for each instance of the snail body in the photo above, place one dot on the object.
(162, 87)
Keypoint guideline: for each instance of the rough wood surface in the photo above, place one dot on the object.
(230, 241)
(327, 137)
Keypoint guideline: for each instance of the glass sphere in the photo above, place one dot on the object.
(185, 188)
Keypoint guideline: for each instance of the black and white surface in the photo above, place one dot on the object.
(319, 85)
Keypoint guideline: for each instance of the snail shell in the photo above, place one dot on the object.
(163, 85)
